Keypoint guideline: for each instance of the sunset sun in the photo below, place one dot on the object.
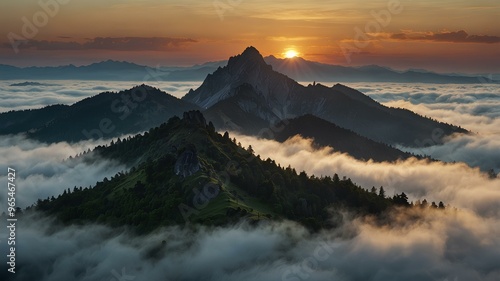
(290, 54)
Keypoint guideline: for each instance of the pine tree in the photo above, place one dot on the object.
(381, 192)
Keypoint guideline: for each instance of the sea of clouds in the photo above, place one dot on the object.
(462, 244)
(44, 170)
(418, 245)
(70, 91)
(474, 107)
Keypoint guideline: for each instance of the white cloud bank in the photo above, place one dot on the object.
(416, 245)
(474, 107)
(41, 169)
(71, 91)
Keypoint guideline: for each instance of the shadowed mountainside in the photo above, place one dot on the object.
(248, 89)
(184, 171)
(104, 115)
(325, 133)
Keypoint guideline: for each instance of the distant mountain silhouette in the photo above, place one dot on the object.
(296, 68)
(105, 115)
(300, 69)
(248, 90)
(108, 70)
(28, 84)
(247, 96)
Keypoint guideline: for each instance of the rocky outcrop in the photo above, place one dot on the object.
(248, 89)
(187, 163)
(194, 117)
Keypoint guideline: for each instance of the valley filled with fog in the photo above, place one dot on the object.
(461, 243)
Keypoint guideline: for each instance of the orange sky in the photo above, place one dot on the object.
(444, 36)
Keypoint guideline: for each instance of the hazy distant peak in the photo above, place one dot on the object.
(374, 67)
(109, 66)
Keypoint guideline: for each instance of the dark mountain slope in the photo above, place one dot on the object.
(22, 121)
(325, 133)
(240, 112)
(185, 171)
(278, 97)
(105, 115)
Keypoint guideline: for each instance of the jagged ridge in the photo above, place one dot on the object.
(262, 94)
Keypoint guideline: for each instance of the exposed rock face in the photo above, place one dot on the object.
(303, 207)
(187, 163)
(248, 67)
(195, 117)
(247, 91)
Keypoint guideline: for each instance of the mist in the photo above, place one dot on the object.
(411, 244)
(474, 107)
(71, 91)
(416, 245)
(44, 170)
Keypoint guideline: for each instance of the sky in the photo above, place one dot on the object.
(442, 35)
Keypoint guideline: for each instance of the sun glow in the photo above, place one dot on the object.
(291, 54)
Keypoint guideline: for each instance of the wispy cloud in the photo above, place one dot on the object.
(460, 36)
(110, 43)
(293, 38)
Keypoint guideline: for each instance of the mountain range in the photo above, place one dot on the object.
(296, 68)
(105, 115)
(181, 168)
(300, 69)
(249, 97)
(184, 171)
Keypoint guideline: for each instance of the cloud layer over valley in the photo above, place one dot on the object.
(44, 170)
(473, 107)
(414, 244)
(69, 92)
(417, 245)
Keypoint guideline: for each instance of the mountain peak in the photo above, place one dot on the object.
(250, 58)
(251, 50)
(248, 68)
